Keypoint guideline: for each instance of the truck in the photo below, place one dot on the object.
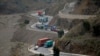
(42, 41)
(48, 44)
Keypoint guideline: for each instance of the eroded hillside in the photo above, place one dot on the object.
(84, 38)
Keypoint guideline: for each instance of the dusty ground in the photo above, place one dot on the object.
(6, 33)
(11, 34)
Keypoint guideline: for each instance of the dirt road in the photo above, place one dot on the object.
(68, 8)
(72, 16)
(10, 33)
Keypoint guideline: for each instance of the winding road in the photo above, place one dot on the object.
(69, 7)
(72, 16)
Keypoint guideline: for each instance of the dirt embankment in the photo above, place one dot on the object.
(67, 23)
(6, 33)
(86, 7)
(82, 36)
(12, 32)
(22, 6)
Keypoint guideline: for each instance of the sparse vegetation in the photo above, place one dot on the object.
(56, 51)
(16, 51)
(92, 45)
(85, 37)
(41, 55)
(60, 33)
(58, 22)
(96, 30)
(22, 6)
(26, 22)
(22, 25)
(97, 2)
(86, 25)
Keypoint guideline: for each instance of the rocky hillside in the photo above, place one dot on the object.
(82, 7)
(84, 38)
(20, 6)
(16, 6)
(87, 7)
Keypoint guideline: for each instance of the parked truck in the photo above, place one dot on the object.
(42, 41)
